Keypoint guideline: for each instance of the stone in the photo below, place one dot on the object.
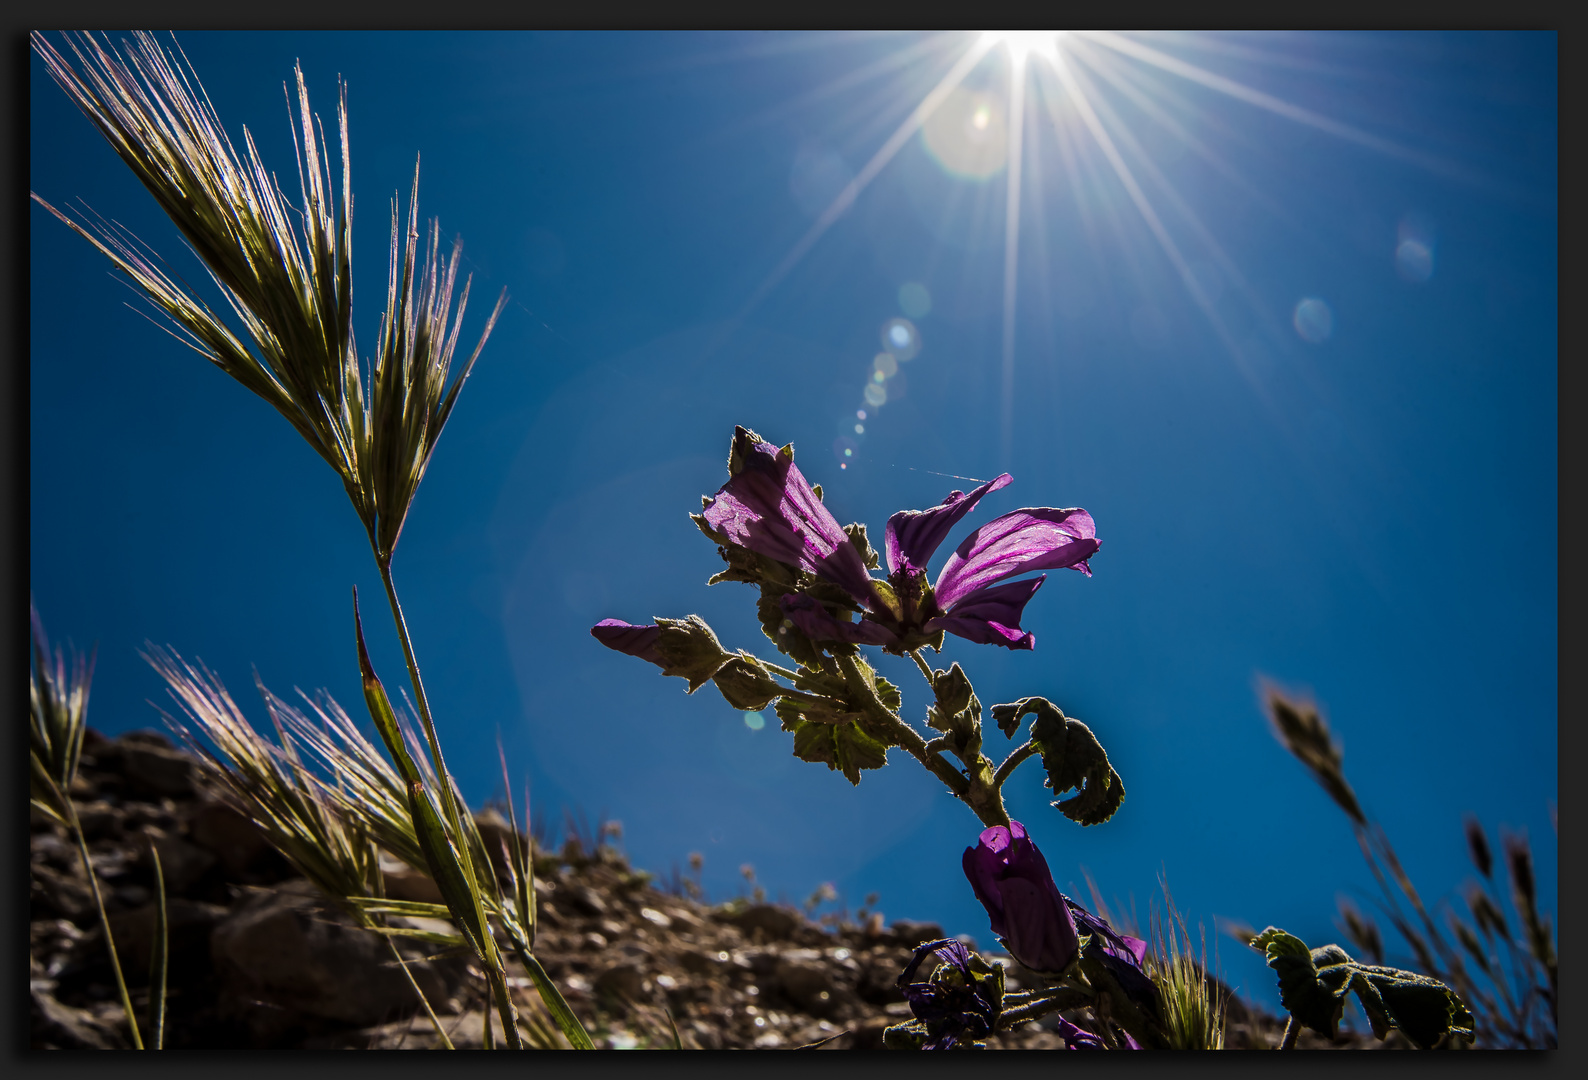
(229, 835)
(60, 1027)
(182, 864)
(807, 983)
(777, 923)
(189, 924)
(912, 933)
(291, 950)
(624, 981)
(153, 769)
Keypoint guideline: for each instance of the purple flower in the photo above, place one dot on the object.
(683, 647)
(1078, 1038)
(627, 638)
(1027, 911)
(963, 1006)
(769, 508)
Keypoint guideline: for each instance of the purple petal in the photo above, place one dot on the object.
(818, 624)
(913, 535)
(770, 509)
(992, 616)
(1036, 538)
(627, 638)
(1078, 1038)
(1025, 909)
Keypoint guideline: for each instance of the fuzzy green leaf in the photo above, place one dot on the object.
(843, 747)
(1074, 760)
(1313, 984)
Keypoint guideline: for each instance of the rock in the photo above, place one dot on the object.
(59, 894)
(154, 769)
(101, 820)
(777, 923)
(229, 835)
(405, 883)
(61, 1027)
(586, 900)
(188, 922)
(624, 981)
(807, 983)
(181, 864)
(293, 952)
(912, 933)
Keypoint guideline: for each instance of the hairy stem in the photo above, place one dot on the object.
(1012, 762)
(909, 739)
(920, 662)
(1292, 1030)
(1067, 998)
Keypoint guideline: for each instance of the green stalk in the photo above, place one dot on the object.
(920, 662)
(104, 923)
(496, 973)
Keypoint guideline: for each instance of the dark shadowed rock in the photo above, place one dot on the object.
(912, 933)
(61, 1027)
(293, 953)
(152, 769)
(189, 923)
(777, 923)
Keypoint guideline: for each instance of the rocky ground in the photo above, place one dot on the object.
(259, 960)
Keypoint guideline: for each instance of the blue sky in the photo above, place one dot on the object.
(1334, 467)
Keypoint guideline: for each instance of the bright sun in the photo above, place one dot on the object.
(1022, 43)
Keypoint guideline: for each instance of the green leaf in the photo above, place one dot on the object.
(380, 709)
(857, 750)
(158, 960)
(857, 537)
(446, 868)
(1313, 984)
(889, 695)
(1074, 760)
(563, 1016)
(843, 747)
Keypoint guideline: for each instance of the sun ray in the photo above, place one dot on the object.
(1017, 126)
(1270, 103)
(1105, 142)
(852, 190)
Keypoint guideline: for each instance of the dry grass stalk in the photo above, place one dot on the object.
(290, 290)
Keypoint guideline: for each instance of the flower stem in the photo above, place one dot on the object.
(1292, 1030)
(989, 812)
(1012, 762)
(1065, 998)
(920, 662)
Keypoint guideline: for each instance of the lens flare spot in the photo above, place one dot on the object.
(900, 338)
(1414, 261)
(885, 365)
(754, 721)
(843, 465)
(849, 453)
(860, 414)
(844, 447)
(860, 429)
(876, 395)
(914, 300)
(967, 135)
(1313, 320)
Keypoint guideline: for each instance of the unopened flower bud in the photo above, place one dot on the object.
(747, 685)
